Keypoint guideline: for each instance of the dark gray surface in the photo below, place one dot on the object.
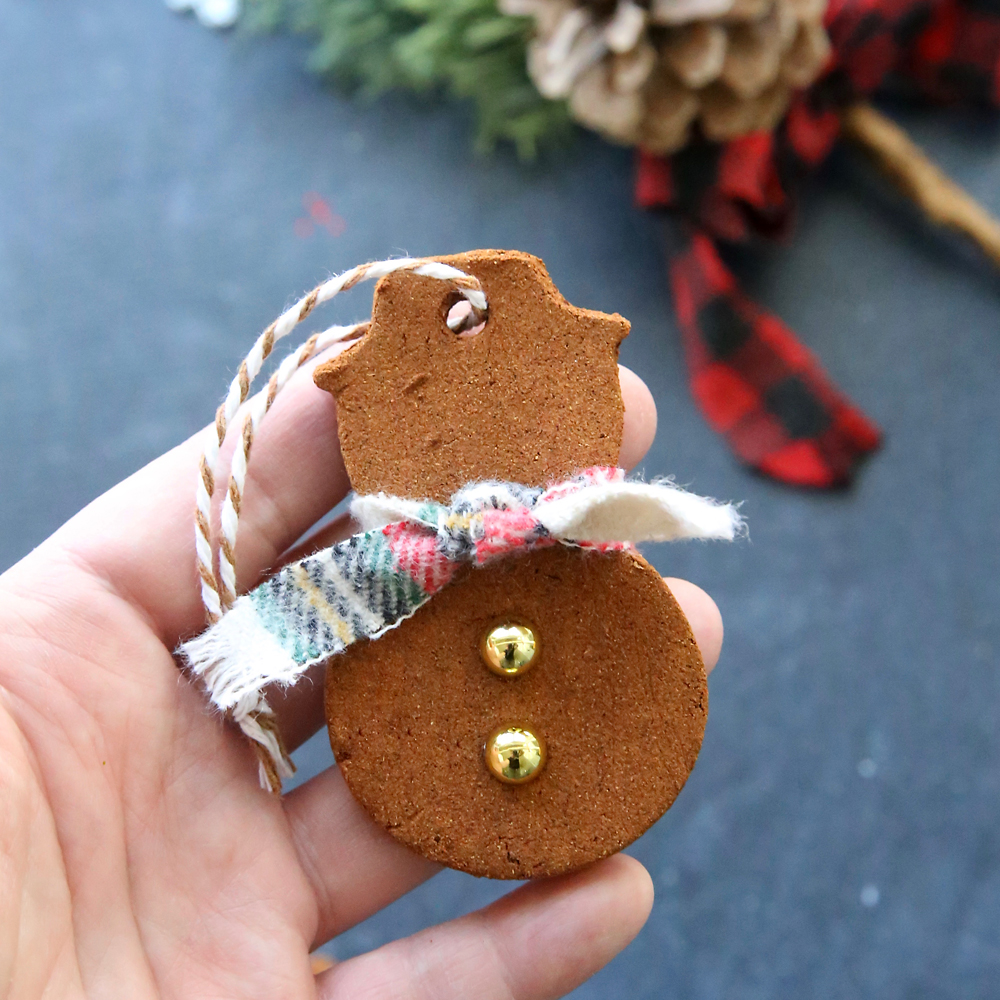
(839, 835)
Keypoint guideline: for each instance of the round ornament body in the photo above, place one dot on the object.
(618, 701)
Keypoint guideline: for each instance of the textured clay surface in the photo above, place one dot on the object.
(619, 695)
(534, 396)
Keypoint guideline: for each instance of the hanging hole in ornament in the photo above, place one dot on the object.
(462, 318)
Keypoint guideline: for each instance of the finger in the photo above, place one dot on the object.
(336, 530)
(140, 537)
(354, 866)
(639, 427)
(703, 616)
(537, 943)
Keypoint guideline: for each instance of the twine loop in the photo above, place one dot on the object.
(218, 587)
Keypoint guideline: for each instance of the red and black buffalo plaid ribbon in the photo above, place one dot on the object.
(751, 377)
(755, 382)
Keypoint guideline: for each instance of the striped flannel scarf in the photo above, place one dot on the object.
(408, 550)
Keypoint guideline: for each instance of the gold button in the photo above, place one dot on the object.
(515, 754)
(510, 650)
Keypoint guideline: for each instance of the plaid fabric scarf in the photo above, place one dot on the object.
(752, 379)
(409, 549)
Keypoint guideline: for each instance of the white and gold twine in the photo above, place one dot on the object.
(218, 589)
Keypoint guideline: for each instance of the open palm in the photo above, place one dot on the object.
(138, 856)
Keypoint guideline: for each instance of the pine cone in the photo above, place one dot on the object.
(650, 75)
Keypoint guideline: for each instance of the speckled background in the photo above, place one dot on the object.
(839, 836)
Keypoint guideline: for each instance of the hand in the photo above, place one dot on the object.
(138, 856)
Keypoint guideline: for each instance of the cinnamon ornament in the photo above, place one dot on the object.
(511, 689)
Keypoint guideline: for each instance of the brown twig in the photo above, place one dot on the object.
(941, 199)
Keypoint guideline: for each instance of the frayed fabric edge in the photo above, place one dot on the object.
(237, 657)
(638, 512)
